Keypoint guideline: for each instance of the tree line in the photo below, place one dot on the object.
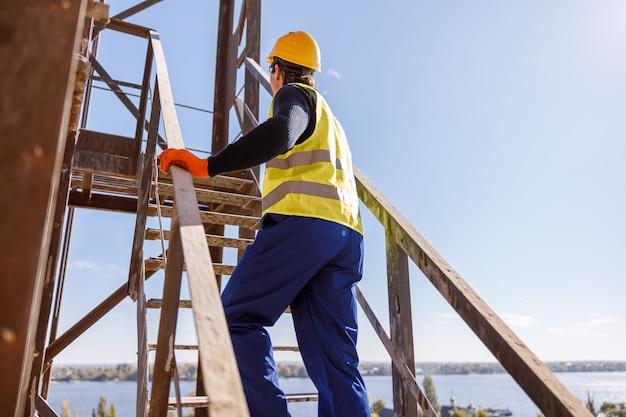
(128, 372)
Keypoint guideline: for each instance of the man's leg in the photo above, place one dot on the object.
(272, 271)
(325, 317)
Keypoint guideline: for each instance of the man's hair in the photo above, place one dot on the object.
(295, 73)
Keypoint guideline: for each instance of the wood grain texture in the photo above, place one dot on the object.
(548, 393)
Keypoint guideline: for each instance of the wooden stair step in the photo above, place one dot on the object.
(105, 183)
(153, 346)
(156, 303)
(154, 264)
(201, 401)
(211, 217)
(220, 181)
(300, 398)
(212, 240)
(286, 348)
(212, 196)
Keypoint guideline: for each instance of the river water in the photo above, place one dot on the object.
(484, 391)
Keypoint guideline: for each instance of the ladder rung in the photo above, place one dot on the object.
(219, 197)
(212, 240)
(220, 181)
(155, 263)
(152, 346)
(286, 348)
(156, 303)
(300, 398)
(212, 217)
(200, 401)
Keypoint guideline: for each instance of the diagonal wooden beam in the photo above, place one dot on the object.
(532, 375)
(86, 322)
(397, 359)
(217, 359)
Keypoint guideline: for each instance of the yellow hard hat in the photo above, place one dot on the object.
(299, 48)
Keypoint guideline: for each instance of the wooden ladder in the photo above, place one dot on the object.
(223, 201)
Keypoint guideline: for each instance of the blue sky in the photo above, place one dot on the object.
(496, 128)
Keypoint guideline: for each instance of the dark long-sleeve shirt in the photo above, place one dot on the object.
(293, 122)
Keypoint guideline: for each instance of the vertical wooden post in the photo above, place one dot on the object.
(225, 75)
(142, 348)
(49, 280)
(146, 168)
(37, 43)
(401, 327)
(163, 361)
(253, 50)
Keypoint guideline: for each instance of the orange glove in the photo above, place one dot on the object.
(183, 158)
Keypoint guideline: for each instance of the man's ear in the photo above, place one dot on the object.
(279, 75)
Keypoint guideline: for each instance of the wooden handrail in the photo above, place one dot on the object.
(539, 383)
(548, 393)
(216, 356)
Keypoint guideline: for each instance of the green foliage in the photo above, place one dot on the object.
(65, 409)
(590, 405)
(613, 409)
(377, 406)
(102, 409)
(463, 413)
(431, 394)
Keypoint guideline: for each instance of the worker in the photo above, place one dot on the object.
(309, 252)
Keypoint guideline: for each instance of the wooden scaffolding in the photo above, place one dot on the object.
(52, 164)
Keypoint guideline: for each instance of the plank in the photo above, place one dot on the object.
(400, 324)
(219, 181)
(154, 264)
(35, 106)
(143, 368)
(164, 361)
(212, 196)
(548, 393)
(145, 183)
(211, 217)
(212, 240)
(222, 382)
(397, 359)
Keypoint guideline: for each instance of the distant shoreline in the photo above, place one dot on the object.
(128, 372)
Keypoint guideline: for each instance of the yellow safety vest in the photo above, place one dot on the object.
(315, 177)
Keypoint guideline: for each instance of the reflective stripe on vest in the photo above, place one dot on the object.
(303, 158)
(314, 178)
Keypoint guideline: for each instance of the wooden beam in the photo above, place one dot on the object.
(51, 268)
(103, 202)
(143, 368)
(43, 408)
(545, 389)
(226, 75)
(164, 361)
(400, 324)
(145, 182)
(212, 240)
(213, 217)
(39, 39)
(217, 359)
(397, 359)
(86, 322)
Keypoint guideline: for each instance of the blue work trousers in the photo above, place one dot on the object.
(311, 265)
